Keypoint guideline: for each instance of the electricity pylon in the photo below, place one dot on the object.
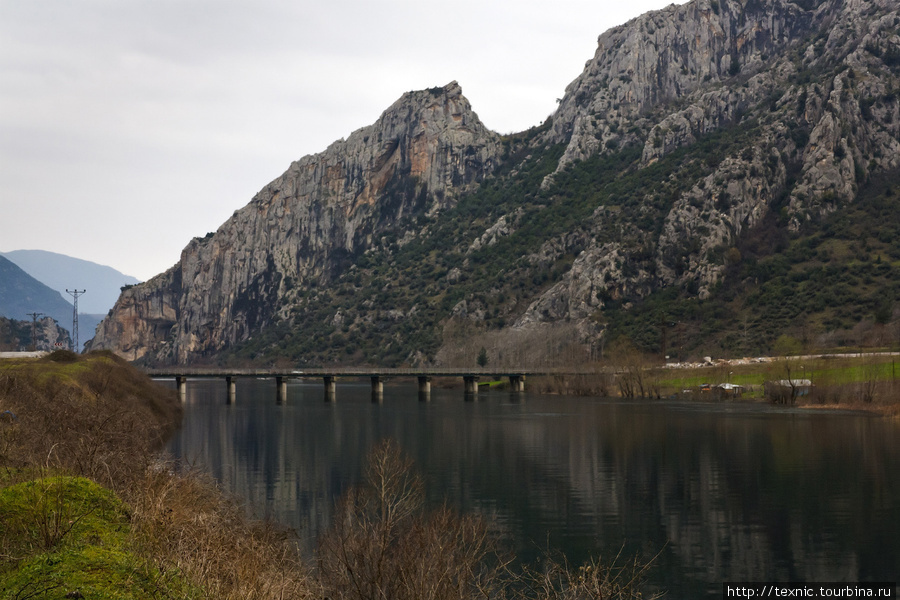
(75, 293)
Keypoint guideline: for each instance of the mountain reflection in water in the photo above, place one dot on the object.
(720, 492)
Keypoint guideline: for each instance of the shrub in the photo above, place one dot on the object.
(62, 356)
(183, 521)
(383, 544)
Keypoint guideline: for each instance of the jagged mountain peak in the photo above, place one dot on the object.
(433, 109)
(431, 135)
(306, 226)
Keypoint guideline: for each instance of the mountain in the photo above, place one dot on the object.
(719, 175)
(306, 227)
(61, 272)
(21, 294)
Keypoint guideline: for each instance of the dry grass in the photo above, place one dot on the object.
(594, 580)
(584, 384)
(96, 417)
(540, 345)
(182, 522)
(99, 418)
(879, 397)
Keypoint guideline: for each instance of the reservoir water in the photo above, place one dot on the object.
(715, 492)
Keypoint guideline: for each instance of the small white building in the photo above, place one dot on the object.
(730, 390)
(801, 386)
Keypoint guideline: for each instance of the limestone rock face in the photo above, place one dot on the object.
(668, 78)
(663, 56)
(144, 318)
(504, 226)
(303, 228)
(16, 336)
(52, 336)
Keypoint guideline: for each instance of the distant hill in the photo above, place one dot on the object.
(61, 272)
(20, 294)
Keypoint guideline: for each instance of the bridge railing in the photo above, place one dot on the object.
(363, 372)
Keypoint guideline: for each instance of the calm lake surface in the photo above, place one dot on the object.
(720, 492)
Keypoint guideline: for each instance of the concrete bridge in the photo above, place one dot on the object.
(329, 378)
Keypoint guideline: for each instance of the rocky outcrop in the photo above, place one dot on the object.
(666, 55)
(505, 225)
(144, 319)
(813, 84)
(16, 335)
(816, 129)
(304, 228)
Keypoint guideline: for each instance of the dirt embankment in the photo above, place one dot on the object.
(89, 511)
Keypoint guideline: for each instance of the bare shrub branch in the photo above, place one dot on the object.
(183, 523)
(383, 544)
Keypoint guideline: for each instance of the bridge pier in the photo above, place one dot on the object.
(231, 384)
(517, 383)
(377, 389)
(424, 388)
(330, 388)
(181, 385)
(471, 385)
(280, 390)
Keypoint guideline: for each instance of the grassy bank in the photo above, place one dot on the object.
(88, 511)
(862, 382)
(94, 416)
(865, 381)
(72, 430)
(68, 537)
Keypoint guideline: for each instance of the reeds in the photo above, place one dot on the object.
(184, 524)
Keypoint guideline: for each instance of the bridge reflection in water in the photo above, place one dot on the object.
(330, 376)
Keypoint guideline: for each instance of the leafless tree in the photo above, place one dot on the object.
(634, 375)
(384, 545)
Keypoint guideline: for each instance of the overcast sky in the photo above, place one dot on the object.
(127, 127)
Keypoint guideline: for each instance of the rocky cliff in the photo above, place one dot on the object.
(811, 86)
(667, 55)
(16, 336)
(304, 228)
(692, 131)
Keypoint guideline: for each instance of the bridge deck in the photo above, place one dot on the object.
(377, 375)
(197, 372)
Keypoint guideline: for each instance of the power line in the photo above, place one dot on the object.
(75, 293)
(34, 317)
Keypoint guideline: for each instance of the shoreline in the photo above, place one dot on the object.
(595, 386)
